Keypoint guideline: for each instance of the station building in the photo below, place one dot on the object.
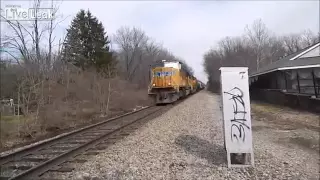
(293, 80)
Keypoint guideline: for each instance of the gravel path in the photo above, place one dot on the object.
(187, 143)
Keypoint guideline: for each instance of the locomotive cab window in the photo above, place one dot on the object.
(160, 74)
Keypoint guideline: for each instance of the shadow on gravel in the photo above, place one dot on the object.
(311, 144)
(214, 154)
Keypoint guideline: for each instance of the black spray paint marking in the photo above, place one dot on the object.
(239, 110)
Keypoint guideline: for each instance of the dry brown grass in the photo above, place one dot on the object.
(285, 116)
(74, 100)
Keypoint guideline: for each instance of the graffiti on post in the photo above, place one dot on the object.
(238, 123)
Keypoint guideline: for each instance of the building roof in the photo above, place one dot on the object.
(292, 61)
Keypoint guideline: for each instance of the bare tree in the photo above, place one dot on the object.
(152, 50)
(274, 49)
(37, 36)
(292, 42)
(309, 38)
(258, 36)
(17, 41)
(297, 41)
(150, 54)
(131, 43)
(138, 52)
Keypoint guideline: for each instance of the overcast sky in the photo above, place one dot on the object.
(190, 28)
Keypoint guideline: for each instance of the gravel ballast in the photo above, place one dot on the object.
(187, 143)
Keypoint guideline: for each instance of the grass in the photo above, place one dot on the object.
(10, 124)
(13, 129)
(261, 107)
(11, 118)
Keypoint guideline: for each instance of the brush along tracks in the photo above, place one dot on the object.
(54, 156)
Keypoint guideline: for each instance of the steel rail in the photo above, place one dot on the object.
(11, 156)
(47, 165)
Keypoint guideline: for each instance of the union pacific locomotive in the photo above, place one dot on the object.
(170, 81)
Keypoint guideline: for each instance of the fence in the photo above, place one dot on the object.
(8, 108)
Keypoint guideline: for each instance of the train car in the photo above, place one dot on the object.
(203, 86)
(193, 84)
(170, 82)
(200, 86)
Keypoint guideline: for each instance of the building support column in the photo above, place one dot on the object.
(285, 80)
(276, 74)
(298, 81)
(314, 84)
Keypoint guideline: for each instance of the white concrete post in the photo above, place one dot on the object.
(236, 115)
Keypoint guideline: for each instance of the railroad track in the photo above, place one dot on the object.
(54, 155)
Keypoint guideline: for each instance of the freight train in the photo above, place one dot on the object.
(170, 81)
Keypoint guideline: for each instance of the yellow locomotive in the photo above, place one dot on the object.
(170, 81)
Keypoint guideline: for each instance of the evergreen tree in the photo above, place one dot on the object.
(87, 45)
